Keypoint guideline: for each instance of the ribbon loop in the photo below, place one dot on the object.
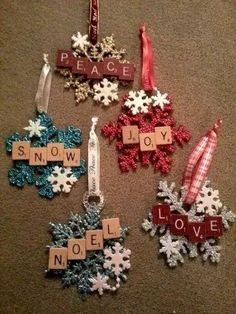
(199, 163)
(94, 21)
(147, 77)
(44, 86)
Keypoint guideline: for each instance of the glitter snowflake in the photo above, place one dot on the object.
(43, 131)
(137, 102)
(130, 155)
(98, 52)
(93, 273)
(175, 248)
(61, 179)
(105, 92)
(208, 201)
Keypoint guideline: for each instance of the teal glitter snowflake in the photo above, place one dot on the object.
(100, 270)
(41, 132)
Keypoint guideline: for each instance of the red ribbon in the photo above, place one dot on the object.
(199, 163)
(147, 79)
(94, 21)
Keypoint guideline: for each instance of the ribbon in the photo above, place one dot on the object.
(94, 21)
(93, 161)
(199, 163)
(147, 78)
(44, 86)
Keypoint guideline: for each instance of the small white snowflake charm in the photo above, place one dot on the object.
(160, 100)
(35, 128)
(105, 92)
(62, 179)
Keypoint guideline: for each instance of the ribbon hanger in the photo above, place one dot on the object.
(94, 21)
(44, 86)
(93, 169)
(199, 162)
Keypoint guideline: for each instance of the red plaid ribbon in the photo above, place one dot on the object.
(199, 163)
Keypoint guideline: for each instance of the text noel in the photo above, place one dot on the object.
(95, 70)
(76, 248)
(196, 232)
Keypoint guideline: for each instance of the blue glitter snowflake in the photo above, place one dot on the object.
(100, 270)
(41, 132)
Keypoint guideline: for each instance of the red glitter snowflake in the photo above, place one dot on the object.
(129, 155)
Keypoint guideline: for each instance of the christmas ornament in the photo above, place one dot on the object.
(45, 156)
(145, 131)
(89, 62)
(87, 251)
(191, 221)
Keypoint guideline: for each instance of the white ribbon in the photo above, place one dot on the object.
(44, 86)
(93, 161)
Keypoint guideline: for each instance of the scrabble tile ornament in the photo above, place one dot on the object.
(93, 68)
(145, 131)
(44, 155)
(88, 251)
(190, 221)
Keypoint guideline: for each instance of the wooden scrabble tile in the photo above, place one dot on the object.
(214, 226)
(161, 214)
(196, 232)
(147, 141)
(126, 71)
(80, 65)
(57, 258)
(130, 134)
(111, 228)
(110, 67)
(20, 150)
(38, 156)
(94, 240)
(76, 249)
(94, 70)
(71, 157)
(179, 224)
(55, 152)
(163, 135)
(64, 58)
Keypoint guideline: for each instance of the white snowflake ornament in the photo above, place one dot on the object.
(35, 128)
(160, 100)
(80, 41)
(138, 102)
(208, 200)
(99, 283)
(62, 179)
(105, 92)
(169, 247)
(117, 259)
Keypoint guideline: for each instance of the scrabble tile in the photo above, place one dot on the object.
(110, 67)
(196, 232)
(94, 70)
(94, 240)
(161, 214)
(20, 150)
(38, 156)
(163, 135)
(57, 258)
(179, 224)
(64, 58)
(55, 152)
(111, 228)
(80, 65)
(130, 134)
(214, 226)
(76, 249)
(147, 141)
(71, 157)
(126, 71)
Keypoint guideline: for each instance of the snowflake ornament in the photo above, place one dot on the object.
(52, 178)
(101, 270)
(138, 110)
(62, 179)
(174, 247)
(34, 128)
(105, 92)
